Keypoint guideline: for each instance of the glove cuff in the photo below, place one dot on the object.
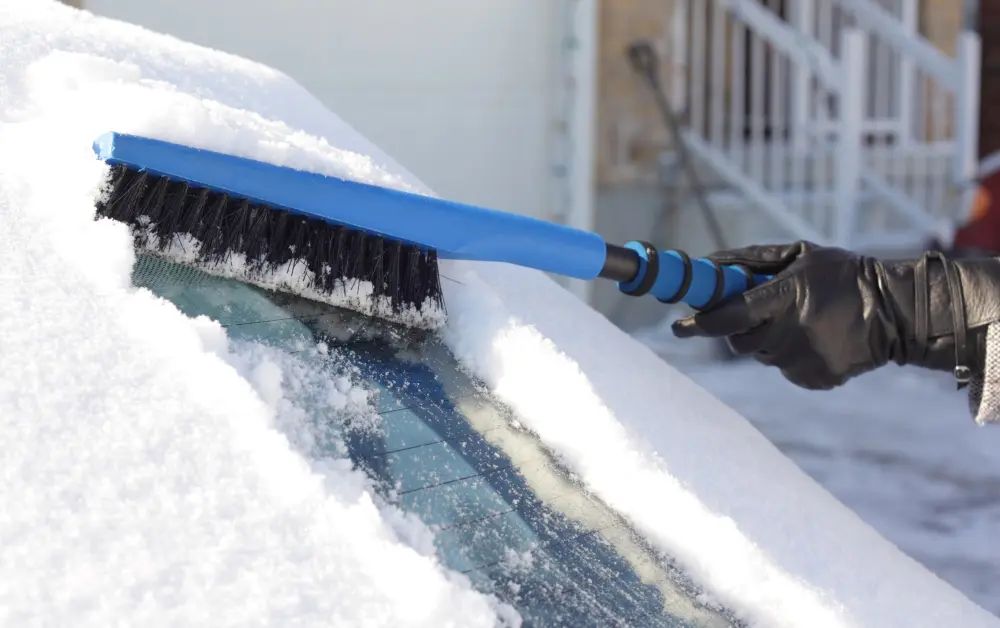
(942, 309)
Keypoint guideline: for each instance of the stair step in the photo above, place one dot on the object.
(733, 200)
(817, 170)
(888, 242)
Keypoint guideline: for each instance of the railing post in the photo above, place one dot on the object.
(909, 18)
(851, 108)
(966, 121)
(801, 19)
(679, 55)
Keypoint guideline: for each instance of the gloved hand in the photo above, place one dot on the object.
(830, 315)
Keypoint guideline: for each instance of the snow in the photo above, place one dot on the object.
(693, 475)
(294, 277)
(899, 447)
(155, 473)
(161, 473)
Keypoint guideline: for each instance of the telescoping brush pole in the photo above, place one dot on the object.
(344, 230)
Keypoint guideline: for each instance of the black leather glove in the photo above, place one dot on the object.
(830, 315)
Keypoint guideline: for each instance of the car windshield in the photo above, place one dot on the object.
(504, 512)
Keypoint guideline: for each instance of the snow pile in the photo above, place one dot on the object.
(691, 474)
(148, 479)
(147, 475)
(899, 447)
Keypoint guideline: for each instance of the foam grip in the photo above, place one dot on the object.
(699, 283)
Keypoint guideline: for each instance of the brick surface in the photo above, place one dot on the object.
(989, 30)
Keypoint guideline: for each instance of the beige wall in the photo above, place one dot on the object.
(940, 21)
(630, 131)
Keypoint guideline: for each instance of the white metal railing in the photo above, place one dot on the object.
(929, 98)
(834, 116)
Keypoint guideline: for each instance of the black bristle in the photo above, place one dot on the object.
(380, 280)
(430, 281)
(213, 240)
(376, 248)
(170, 193)
(239, 225)
(323, 261)
(395, 260)
(411, 272)
(190, 219)
(126, 199)
(154, 200)
(339, 253)
(358, 260)
(167, 219)
(297, 240)
(270, 237)
(121, 180)
(278, 238)
(253, 243)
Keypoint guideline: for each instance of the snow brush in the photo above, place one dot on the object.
(256, 222)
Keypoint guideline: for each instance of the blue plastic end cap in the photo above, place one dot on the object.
(104, 146)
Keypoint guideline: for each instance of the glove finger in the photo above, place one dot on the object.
(732, 317)
(752, 342)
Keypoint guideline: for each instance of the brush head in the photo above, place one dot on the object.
(273, 248)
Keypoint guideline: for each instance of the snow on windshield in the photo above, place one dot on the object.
(145, 479)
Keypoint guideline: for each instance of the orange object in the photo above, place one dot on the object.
(981, 204)
(982, 231)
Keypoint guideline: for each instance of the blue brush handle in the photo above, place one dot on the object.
(691, 281)
(454, 230)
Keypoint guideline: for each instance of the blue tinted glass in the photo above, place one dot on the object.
(504, 512)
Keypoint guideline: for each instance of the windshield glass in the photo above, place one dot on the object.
(503, 510)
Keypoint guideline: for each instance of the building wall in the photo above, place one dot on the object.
(460, 93)
(989, 122)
